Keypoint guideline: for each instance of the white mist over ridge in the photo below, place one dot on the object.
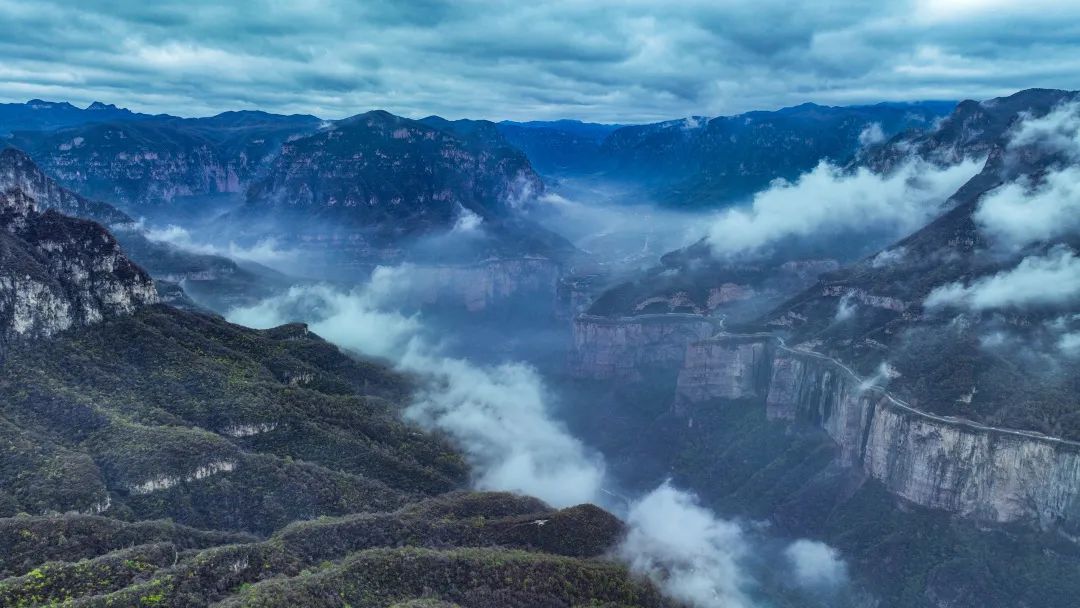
(1032, 210)
(829, 202)
(265, 251)
(689, 551)
(500, 416)
(1045, 280)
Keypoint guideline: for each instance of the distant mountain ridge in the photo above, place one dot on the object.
(699, 162)
(37, 114)
(214, 279)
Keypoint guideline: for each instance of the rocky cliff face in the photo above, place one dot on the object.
(216, 281)
(491, 283)
(399, 176)
(624, 348)
(134, 164)
(974, 470)
(57, 272)
(18, 171)
(143, 164)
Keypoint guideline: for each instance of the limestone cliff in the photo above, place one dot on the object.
(143, 164)
(17, 170)
(607, 347)
(492, 282)
(975, 470)
(57, 272)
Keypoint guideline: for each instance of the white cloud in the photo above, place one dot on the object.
(816, 564)
(693, 555)
(497, 413)
(1070, 343)
(1029, 211)
(467, 221)
(1019, 214)
(1057, 131)
(889, 257)
(1049, 280)
(828, 202)
(871, 135)
(350, 319)
(845, 309)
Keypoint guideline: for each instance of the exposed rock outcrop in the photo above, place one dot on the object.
(607, 347)
(144, 163)
(57, 272)
(481, 286)
(383, 173)
(979, 471)
(18, 171)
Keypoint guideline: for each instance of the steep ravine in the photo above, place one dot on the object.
(978, 471)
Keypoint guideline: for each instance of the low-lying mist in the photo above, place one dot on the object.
(501, 416)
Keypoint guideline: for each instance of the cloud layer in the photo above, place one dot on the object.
(602, 60)
(828, 202)
(1023, 213)
(1045, 280)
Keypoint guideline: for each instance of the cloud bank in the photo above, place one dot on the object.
(1057, 131)
(1046, 280)
(681, 545)
(815, 564)
(1027, 211)
(829, 202)
(1019, 214)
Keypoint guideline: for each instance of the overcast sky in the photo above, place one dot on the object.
(601, 60)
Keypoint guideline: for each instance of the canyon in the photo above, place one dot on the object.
(974, 470)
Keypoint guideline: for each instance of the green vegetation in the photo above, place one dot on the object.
(181, 415)
(472, 577)
(470, 548)
(223, 464)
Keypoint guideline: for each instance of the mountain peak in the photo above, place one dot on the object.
(41, 104)
(97, 105)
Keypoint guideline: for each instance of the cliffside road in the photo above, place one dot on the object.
(900, 403)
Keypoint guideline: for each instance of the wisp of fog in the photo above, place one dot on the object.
(500, 416)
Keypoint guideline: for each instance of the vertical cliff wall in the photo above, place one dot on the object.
(995, 474)
(607, 347)
(478, 287)
(58, 272)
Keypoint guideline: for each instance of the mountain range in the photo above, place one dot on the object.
(911, 401)
(163, 454)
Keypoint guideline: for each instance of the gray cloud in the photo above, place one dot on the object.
(600, 60)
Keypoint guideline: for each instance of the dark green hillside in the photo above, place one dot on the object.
(170, 458)
(473, 549)
(181, 415)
